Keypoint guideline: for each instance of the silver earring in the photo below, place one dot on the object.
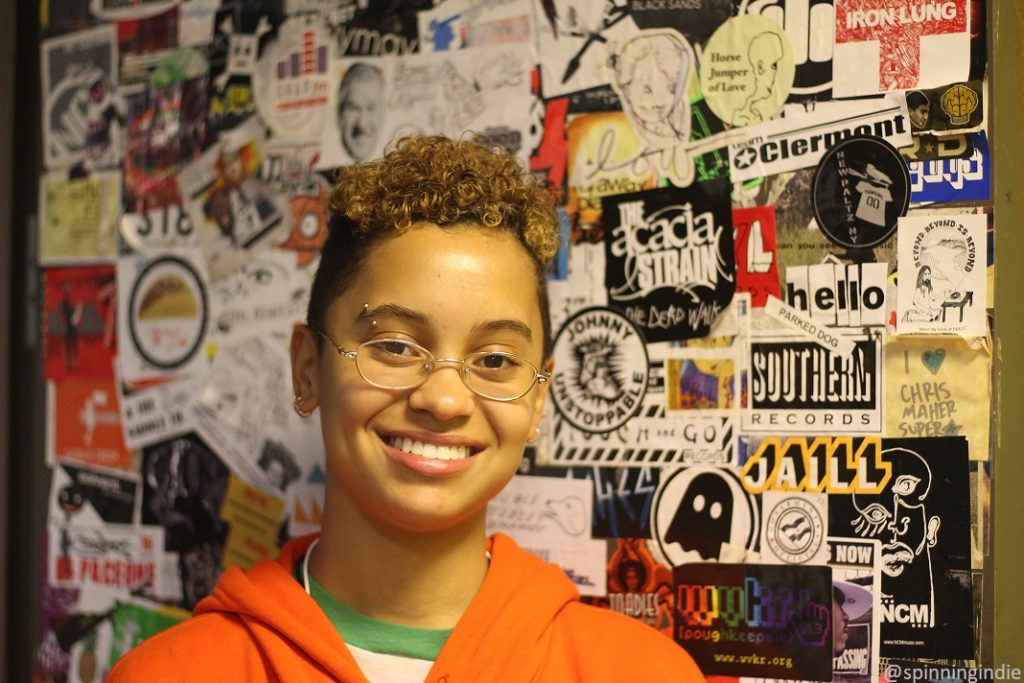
(297, 403)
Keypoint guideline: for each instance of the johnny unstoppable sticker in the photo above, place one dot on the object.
(669, 254)
(860, 190)
(602, 370)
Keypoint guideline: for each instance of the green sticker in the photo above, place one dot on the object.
(747, 70)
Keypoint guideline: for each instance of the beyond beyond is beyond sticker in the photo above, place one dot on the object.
(859, 192)
(669, 254)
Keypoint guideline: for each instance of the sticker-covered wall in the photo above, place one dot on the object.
(768, 433)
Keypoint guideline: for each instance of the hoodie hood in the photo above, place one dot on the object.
(505, 633)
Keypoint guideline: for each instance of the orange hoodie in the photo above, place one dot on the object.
(525, 624)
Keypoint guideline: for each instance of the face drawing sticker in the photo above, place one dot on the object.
(360, 108)
(652, 76)
(601, 370)
(242, 51)
(747, 70)
(703, 514)
(898, 518)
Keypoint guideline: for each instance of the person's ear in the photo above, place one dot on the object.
(305, 356)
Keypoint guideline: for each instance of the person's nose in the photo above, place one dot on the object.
(444, 395)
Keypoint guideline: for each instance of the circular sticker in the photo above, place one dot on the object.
(167, 313)
(699, 509)
(747, 70)
(794, 530)
(860, 189)
(601, 370)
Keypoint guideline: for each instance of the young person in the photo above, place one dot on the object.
(428, 354)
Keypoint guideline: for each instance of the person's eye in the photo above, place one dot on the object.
(875, 513)
(396, 347)
(497, 363)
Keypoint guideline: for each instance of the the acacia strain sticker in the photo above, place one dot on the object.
(670, 264)
(602, 370)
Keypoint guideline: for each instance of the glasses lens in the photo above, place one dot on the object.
(392, 363)
(499, 375)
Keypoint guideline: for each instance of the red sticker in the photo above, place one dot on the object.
(757, 261)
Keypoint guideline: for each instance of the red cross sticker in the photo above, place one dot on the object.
(898, 26)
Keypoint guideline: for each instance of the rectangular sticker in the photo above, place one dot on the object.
(764, 621)
(942, 289)
(954, 179)
(801, 140)
(797, 386)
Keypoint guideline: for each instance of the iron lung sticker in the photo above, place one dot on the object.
(669, 254)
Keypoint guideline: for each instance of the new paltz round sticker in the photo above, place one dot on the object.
(167, 313)
(860, 190)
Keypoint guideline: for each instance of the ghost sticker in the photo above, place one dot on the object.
(703, 514)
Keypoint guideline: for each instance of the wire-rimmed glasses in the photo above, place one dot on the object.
(402, 364)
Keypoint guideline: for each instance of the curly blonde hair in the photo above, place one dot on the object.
(443, 181)
(431, 178)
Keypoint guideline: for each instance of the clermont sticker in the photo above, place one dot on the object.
(166, 315)
(602, 376)
(860, 190)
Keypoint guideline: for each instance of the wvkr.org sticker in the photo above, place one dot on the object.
(602, 376)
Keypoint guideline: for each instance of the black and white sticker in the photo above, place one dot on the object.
(860, 190)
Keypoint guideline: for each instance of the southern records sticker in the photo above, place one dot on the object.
(600, 370)
(166, 315)
(860, 190)
(747, 70)
(703, 514)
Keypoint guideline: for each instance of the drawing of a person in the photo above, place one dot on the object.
(922, 307)
(897, 517)
(71, 312)
(360, 108)
(919, 109)
(652, 73)
(765, 52)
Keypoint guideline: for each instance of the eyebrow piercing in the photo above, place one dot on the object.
(366, 309)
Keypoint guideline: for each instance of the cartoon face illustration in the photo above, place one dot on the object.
(703, 520)
(897, 517)
(70, 499)
(652, 74)
(765, 54)
(919, 109)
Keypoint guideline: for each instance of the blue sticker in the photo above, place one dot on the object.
(954, 180)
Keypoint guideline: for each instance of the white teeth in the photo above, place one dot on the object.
(430, 450)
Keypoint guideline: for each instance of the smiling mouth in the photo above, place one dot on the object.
(430, 451)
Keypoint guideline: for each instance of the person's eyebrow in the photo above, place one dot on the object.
(394, 311)
(507, 324)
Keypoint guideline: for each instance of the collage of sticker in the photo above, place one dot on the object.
(768, 435)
